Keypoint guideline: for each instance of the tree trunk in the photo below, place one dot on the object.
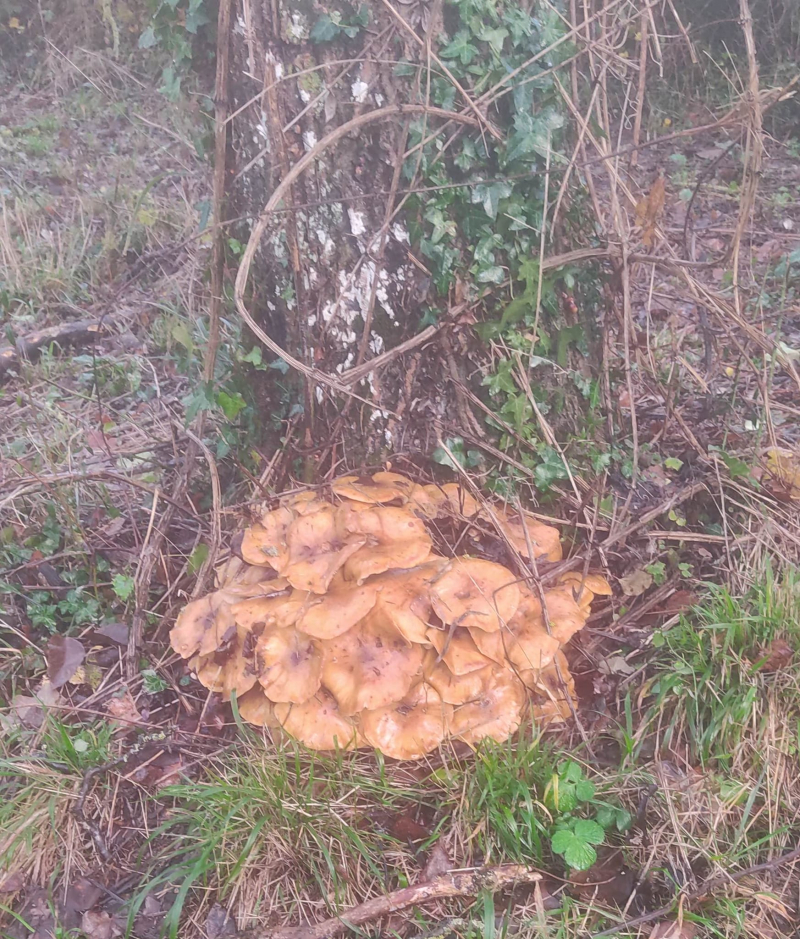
(334, 281)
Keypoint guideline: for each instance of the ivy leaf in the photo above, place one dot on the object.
(324, 30)
(231, 404)
(580, 855)
(123, 586)
(495, 37)
(460, 48)
(148, 39)
(584, 790)
(489, 196)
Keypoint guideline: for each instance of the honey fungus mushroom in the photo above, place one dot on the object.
(337, 623)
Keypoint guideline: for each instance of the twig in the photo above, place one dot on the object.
(703, 890)
(640, 94)
(454, 884)
(67, 334)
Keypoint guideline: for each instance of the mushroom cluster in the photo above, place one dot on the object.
(338, 623)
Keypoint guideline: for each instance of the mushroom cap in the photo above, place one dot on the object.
(264, 544)
(256, 708)
(554, 689)
(410, 728)
(371, 665)
(303, 503)
(545, 541)
(338, 610)
(395, 538)
(495, 713)
(280, 609)
(404, 596)
(566, 615)
(457, 649)
(524, 643)
(594, 583)
(238, 573)
(460, 501)
(231, 668)
(453, 689)
(475, 593)
(316, 550)
(375, 489)
(289, 665)
(319, 724)
(428, 501)
(201, 623)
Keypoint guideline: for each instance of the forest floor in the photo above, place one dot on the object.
(132, 801)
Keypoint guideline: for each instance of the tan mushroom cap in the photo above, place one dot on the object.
(454, 689)
(201, 623)
(303, 503)
(545, 541)
(524, 643)
(475, 593)
(428, 501)
(371, 665)
(410, 728)
(256, 708)
(264, 544)
(316, 550)
(319, 724)
(280, 609)
(229, 669)
(404, 596)
(460, 501)
(565, 614)
(378, 488)
(395, 538)
(496, 713)
(554, 689)
(585, 589)
(338, 610)
(289, 665)
(457, 649)
(235, 572)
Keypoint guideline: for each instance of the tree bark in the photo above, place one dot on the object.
(333, 280)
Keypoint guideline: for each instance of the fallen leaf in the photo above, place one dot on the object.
(116, 633)
(438, 863)
(673, 930)
(82, 895)
(64, 657)
(97, 924)
(649, 210)
(678, 602)
(406, 829)
(783, 467)
(615, 665)
(635, 583)
(777, 656)
(219, 923)
(11, 883)
(123, 708)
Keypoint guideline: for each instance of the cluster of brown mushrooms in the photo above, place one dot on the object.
(338, 623)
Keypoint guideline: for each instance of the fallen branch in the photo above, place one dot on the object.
(455, 884)
(28, 347)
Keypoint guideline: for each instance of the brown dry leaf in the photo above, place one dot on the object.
(674, 930)
(678, 602)
(777, 656)
(123, 708)
(64, 657)
(635, 583)
(406, 829)
(97, 924)
(649, 210)
(438, 863)
(11, 883)
(783, 467)
(219, 923)
(115, 633)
